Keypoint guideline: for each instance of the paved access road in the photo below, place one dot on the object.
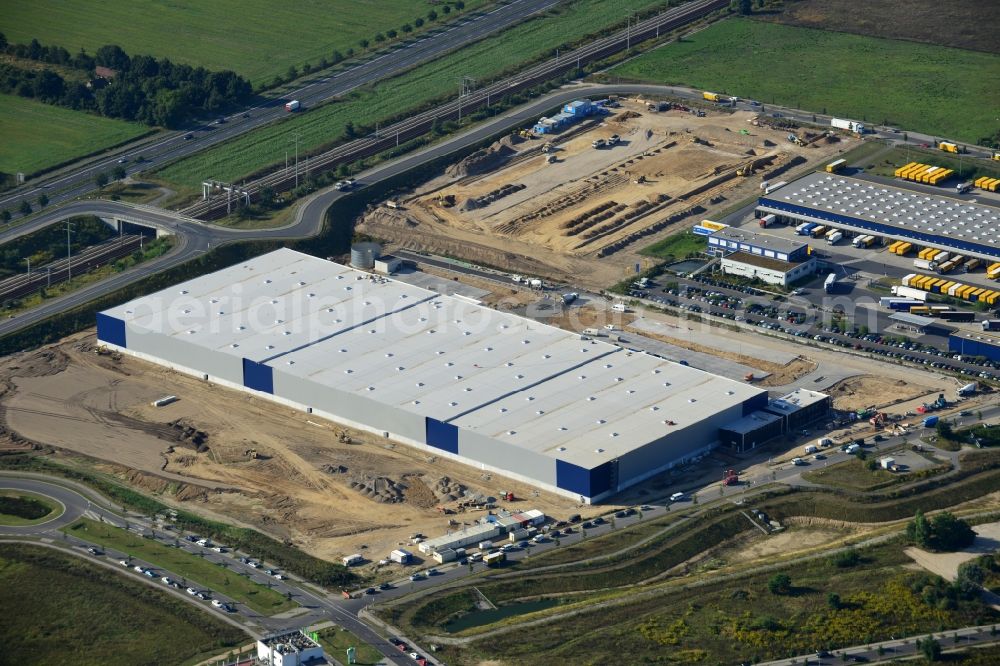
(317, 605)
(171, 145)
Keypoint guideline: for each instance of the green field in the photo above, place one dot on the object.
(181, 563)
(256, 38)
(677, 246)
(38, 136)
(933, 89)
(734, 621)
(336, 640)
(60, 609)
(483, 61)
(18, 507)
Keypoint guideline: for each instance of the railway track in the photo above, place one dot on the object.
(55, 272)
(422, 123)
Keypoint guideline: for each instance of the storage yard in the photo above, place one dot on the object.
(582, 201)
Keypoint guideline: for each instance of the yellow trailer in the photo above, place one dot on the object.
(895, 246)
(965, 292)
(993, 271)
(925, 177)
(711, 96)
(914, 173)
(992, 185)
(903, 169)
(948, 147)
(989, 298)
(976, 293)
(940, 176)
(904, 249)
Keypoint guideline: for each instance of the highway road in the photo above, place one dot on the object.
(318, 605)
(171, 145)
(196, 237)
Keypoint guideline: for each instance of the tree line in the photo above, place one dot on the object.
(153, 91)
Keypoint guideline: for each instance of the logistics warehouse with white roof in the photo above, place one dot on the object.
(580, 417)
(900, 213)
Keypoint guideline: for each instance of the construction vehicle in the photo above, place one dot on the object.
(879, 419)
(730, 478)
(745, 170)
(343, 437)
(251, 454)
(548, 147)
(506, 496)
(446, 200)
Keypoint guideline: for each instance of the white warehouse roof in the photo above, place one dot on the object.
(895, 207)
(536, 387)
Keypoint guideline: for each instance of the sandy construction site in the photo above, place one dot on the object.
(331, 491)
(558, 206)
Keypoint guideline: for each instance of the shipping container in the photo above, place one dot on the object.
(920, 310)
(903, 169)
(957, 315)
(972, 264)
(494, 559)
(906, 281)
(904, 249)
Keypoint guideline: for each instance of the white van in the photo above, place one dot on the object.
(619, 307)
(810, 449)
(677, 497)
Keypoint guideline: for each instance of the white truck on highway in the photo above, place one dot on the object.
(294, 105)
(849, 125)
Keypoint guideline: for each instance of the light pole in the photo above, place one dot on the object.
(28, 259)
(69, 252)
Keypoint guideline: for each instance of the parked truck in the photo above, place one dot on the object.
(991, 324)
(909, 292)
(767, 220)
(848, 125)
(834, 237)
(818, 232)
(294, 105)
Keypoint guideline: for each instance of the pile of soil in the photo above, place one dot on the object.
(483, 161)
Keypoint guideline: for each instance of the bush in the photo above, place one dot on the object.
(779, 584)
(847, 558)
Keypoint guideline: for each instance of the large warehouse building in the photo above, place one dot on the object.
(579, 417)
(899, 213)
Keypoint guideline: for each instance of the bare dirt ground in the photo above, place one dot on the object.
(859, 392)
(330, 497)
(964, 25)
(755, 546)
(781, 374)
(585, 216)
